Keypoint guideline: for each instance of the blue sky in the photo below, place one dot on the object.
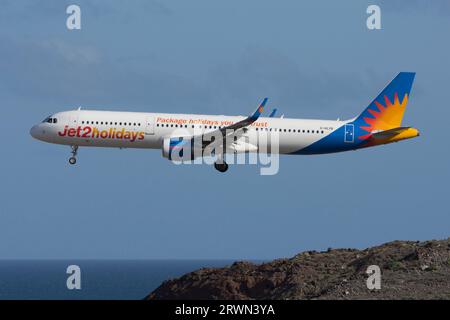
(313, 59)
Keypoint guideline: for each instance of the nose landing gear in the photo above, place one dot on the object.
(73, 158)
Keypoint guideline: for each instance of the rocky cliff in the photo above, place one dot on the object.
(409, 270)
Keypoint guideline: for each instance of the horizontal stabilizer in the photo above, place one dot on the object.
(390, 132)
(392, 135)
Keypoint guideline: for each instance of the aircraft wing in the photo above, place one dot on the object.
(247, 121)
(236, 129)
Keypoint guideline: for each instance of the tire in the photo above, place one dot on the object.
(72, 160)
(222, 167)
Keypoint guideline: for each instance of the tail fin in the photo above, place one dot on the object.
(386, 111)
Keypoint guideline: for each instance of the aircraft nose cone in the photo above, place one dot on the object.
(34, 132)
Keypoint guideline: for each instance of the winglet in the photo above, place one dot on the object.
(259, 110)
(273, 113)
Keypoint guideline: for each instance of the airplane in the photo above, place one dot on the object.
(380, 123)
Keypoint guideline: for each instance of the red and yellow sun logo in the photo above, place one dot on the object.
(388, 116)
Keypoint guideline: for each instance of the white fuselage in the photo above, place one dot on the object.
(148, 130)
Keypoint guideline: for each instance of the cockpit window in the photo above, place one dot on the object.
(50, 120)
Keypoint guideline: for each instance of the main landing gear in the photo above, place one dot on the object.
(73, 158)
(222, 167)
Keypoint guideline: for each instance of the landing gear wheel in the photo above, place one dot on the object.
(222, 167)
(73, 158)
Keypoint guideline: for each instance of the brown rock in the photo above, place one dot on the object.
(334, 274)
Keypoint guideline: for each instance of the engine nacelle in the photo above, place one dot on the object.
(178, 149)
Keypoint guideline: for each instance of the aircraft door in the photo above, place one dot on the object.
(150, 126)
(349, 135)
